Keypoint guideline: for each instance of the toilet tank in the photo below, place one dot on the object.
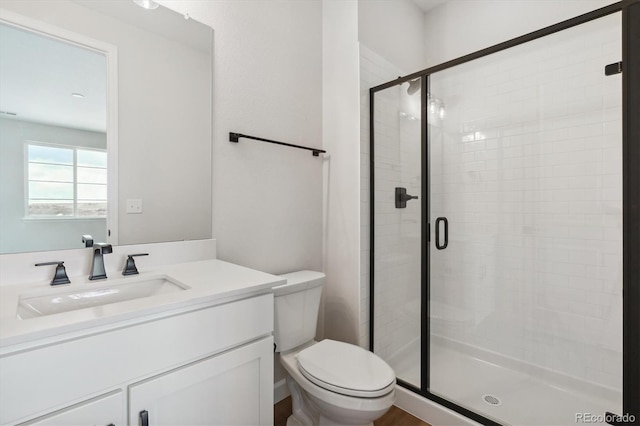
(296, 309)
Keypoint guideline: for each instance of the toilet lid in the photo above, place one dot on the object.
(347, 369)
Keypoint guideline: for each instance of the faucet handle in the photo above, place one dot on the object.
(60, 276)
(87, 240)
(130, 264)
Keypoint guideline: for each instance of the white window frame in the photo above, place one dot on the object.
(75, 149)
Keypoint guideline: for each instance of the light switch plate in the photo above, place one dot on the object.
(134, 206)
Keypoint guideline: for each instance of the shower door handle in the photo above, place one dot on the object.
(446, 233)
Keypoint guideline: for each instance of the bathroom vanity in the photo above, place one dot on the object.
(200, 354)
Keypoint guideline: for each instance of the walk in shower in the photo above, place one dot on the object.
(501, 213)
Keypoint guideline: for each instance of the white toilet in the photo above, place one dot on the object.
(331, 383)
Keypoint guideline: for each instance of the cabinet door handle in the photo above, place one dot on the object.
(144, 418)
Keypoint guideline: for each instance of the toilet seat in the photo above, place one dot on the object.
(346, 369)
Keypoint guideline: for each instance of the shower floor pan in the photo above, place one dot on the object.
(504, 394)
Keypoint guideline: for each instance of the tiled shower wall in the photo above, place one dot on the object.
(397, 244)
(526, 166)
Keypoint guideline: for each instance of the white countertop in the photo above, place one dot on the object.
(210, 282)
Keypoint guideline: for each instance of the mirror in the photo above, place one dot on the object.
(105, 126)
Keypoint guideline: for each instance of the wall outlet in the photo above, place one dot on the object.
(134, 206)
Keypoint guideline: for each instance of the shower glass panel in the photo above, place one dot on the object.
(525, 164)
(397, 230)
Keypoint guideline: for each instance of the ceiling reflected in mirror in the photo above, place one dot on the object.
(49, 81)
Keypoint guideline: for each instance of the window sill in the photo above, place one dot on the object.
(60, 218)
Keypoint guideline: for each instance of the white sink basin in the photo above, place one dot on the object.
(89, 295)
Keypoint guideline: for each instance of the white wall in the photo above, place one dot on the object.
(267, 199)
(342, 174)
(395, 30)
(18, 234)
(459, 27)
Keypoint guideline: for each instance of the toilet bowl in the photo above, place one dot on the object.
(331, 382)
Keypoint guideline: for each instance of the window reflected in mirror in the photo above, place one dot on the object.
(66, 182)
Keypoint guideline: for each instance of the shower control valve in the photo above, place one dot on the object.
(402, 197)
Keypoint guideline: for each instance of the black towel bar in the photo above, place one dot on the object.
(233, 137)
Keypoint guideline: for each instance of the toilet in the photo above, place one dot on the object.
(331, 382)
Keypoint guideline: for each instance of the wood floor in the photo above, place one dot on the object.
(281, 411)
(397, 417)
(393, 417)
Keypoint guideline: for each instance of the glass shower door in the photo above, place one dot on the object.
(525, 206)
(396, 222)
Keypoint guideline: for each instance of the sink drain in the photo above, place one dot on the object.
(491, 399)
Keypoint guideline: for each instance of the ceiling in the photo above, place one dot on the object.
(38, 75)
(427, 5)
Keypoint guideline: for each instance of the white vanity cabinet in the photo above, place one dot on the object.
(104, 410)
(199, 364)
(221, 390)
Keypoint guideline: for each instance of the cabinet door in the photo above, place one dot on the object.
(101, 411)
(233, 388)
